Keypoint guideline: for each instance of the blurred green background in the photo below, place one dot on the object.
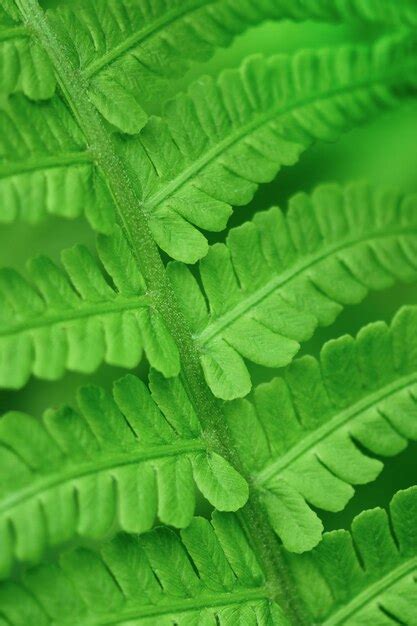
(383, 152)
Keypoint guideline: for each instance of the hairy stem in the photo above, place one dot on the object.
(134, 223)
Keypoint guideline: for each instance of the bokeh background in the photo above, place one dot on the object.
(383, 152)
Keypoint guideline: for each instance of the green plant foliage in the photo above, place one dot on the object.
(98, 499)
(190, 167)
(218, 142)
(313, 426)
(76, 319)
(125, 48)
(366, 576)
(24, 65)
(257, 287)
(278, 277)
(46, 167)
(118, 464)
(209, 575)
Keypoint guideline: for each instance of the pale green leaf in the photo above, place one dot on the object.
(369, 573)
(280, 276)
(309, 437)
(217, 143)
(158, 578)
(119, 464)
(75, 320)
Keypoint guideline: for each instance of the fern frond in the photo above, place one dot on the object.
(368, 575)
(278, 277)
(305, 437)
(209, 575)
(125, 48)
(215, 144)
(24, 66)
(268, 289)
(75, 320)
(46, 167)
(118, 464)
(218, 142)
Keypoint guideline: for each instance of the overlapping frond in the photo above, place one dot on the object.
(24, 66)
(77, 318)
(278, 277)
(307, 438)
(368, 575)
(126, 460)
(124, 48)
(223, 138)
(268, 289)
(209, 575)
(119, 463)
(211, 150)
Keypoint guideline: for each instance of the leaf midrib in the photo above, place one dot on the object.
(137, 456)
(83, 312)
(41, 163)
(207, 601)
(221, 323)
(139, 37)
(338, 420)
(371, 593)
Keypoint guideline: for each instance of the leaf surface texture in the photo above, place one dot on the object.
(310, 437)
(278, 277)
(75, 320)
(208, 575)
(24, 65)
(189, 168)
(366, 576)
(118, 464)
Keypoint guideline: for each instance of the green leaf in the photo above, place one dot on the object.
(159, 578)
(138, 52)
(75, 320)
(46, 168)
(219, 482)
(278, 277)
(366, 576)
(24, 65)
(309, 437)
(268, 289)
(117, 465)
(189, 168)
(223, 138)
(134, 55)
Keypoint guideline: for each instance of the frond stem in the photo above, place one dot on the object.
(135, 226)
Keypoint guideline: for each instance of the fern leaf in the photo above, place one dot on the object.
(125, 48)
(268, 289)
(366, 576)
(75, 320)
(142, 43)
(217, 143)
(118, 464)
(305, 436)
(46, 168)
(24, 66)
(208, 575)
(191, 167)
(277, 277)
(96, 322)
